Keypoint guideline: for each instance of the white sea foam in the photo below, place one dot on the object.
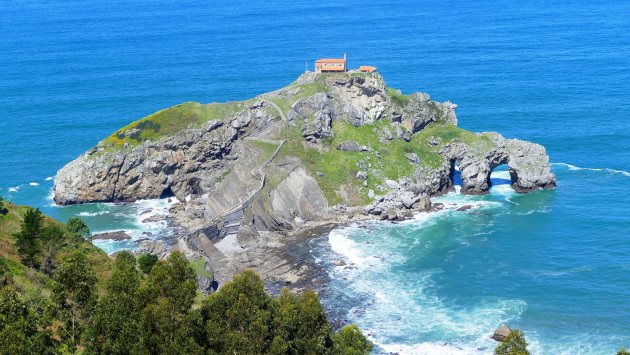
(14, 189)
(33, 183)
(49, 178)
(396, 305)
(608, 170)
(92, 214)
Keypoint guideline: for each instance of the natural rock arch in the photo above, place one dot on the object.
(528, 165)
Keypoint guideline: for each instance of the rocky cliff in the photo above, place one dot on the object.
(351, 145)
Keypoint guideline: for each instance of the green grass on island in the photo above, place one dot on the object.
(385, 161)
(170, 121)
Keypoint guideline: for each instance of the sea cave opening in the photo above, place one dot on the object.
(167, 193)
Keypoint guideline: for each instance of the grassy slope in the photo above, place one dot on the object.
(170, 121)
(31, 280)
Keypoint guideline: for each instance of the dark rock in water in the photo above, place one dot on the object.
(465, 208)
(117, 236)
(156, 218)
(423, 204)
(501, 333)
(438, 206)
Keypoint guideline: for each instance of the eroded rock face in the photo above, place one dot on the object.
(316, 113)
(299, 196)
(361, 100)
(187, 163)
(420, 111)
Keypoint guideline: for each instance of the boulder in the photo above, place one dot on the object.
(501, 333)
(407, 136)
(424, 203)
(362, 175)
(412, 157)
(352, 146)
(408, 200)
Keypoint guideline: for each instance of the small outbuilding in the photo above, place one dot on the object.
(367, 69)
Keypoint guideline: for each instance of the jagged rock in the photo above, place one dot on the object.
(340, 262)
(407, 136)
(352, 146)
(180, 165)
(408, 200)
(501, 333)
(316, 113)
(420, 111)
(465, 208)
(154, 218)
(361, 100)
(412, 157)
(152, 247)
(528, 164)
(423, 204)
(362, 175)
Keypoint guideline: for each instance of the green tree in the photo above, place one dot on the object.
(115, 326)
(623, 351)
(514, 344)
(28, 238)
(5, 274)
(238, 316)
(3, 209)
(75, 291)
(76, 226)
(351, 341)
(166, 321)
(146, 262)
(24, 324)
(52, 239)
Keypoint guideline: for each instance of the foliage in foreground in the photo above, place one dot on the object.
(154, 314)
(514, 344)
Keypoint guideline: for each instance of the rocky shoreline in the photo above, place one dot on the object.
(255, 177)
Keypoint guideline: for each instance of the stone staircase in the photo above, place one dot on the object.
(225, 226)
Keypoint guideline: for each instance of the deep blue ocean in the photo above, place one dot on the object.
(554, 263)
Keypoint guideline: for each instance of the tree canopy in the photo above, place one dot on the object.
(514, 344)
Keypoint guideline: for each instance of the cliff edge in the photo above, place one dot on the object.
(324, 146)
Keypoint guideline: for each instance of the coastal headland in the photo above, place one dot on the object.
(256, 177)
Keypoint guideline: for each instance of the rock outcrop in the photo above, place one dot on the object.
(406, 149)
(187, 163)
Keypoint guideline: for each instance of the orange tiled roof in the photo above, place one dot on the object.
(330, 60)
(367, 68)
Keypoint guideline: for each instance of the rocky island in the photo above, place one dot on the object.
(329, 148)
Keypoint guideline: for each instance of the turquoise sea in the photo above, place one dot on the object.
(554, 263)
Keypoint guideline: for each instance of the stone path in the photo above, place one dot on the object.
(233, 217)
